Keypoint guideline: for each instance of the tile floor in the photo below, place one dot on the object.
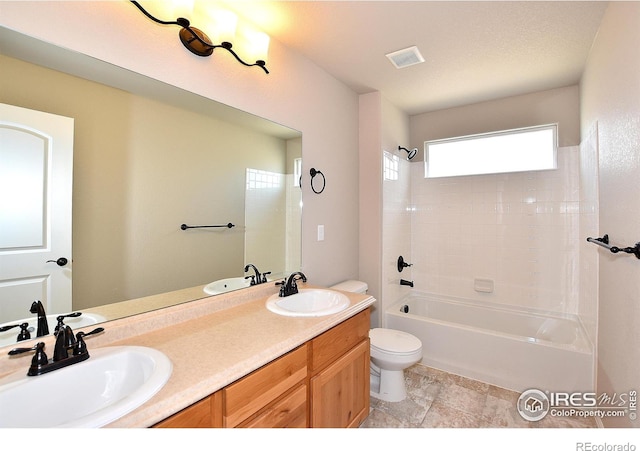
(439, 399)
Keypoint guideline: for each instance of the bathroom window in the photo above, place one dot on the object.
(391, 166)
(523, 149)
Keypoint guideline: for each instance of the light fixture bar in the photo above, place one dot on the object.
(196, 41)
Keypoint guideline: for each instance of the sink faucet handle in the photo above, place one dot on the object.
(253, 279)
(16, 351)
(61, 318)
(24, 331)
(264, 276)
(39, 359)
(81, 346)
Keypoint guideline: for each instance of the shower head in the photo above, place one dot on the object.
(412, 153)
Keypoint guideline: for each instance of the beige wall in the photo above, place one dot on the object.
(370, 197)
(383, 127)
(610, 95)
(296, 93)
(142, 168)
(545, 107)
(396, 216)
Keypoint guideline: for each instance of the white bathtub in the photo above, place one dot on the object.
(514, 349)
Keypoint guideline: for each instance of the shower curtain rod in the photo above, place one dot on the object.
(604, 242)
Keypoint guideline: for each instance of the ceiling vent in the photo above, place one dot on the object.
(405, 57)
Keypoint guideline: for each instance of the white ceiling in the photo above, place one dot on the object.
(474, 50)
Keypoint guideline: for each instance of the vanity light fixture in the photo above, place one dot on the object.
(196, 41)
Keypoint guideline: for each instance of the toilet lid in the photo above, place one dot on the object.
(396, 341)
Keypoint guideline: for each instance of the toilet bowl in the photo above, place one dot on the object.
(391, 352)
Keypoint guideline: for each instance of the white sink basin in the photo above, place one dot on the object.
(309, 302)
(111, 383)
(225, 285)
(9, 337)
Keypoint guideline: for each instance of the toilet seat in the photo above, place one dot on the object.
(394, 341)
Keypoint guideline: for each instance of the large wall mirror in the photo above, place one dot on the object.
(149, 157)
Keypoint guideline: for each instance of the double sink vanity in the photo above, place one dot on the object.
(247, 358)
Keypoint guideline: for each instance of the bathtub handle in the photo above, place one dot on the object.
(402, 264)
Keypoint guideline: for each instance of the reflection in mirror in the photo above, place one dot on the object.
(148, 157)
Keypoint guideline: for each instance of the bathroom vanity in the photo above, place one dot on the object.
(237, 364)
(322, 383)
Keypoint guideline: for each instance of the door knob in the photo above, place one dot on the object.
(60, 262)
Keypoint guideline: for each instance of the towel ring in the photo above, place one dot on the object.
(313, 173)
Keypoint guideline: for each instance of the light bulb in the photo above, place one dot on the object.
(253, 44)
(219, 24)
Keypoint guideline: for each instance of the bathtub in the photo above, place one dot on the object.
(513, 349)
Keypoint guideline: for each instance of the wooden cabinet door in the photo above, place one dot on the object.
(340, 392)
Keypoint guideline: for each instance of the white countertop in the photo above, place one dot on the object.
(211, 343)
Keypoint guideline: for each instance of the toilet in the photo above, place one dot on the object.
(391, 352)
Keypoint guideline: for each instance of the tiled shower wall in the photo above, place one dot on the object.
(589, 226)
(273, 222)
(265, 220)
(293, 255)
(521, 231)
(396, 226)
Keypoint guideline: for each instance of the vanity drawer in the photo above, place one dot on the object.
(329, 346)
(247, 396)
(202, 414)
(289, 412)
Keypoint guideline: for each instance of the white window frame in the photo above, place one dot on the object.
(391, 168)
(466, 156)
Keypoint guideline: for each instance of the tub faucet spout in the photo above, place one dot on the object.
(408, 283)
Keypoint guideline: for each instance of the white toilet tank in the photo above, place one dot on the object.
(352, 286)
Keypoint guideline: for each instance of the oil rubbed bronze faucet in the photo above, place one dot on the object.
(290, 286)
(65, 342)
(257, 278)
(43, 326)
